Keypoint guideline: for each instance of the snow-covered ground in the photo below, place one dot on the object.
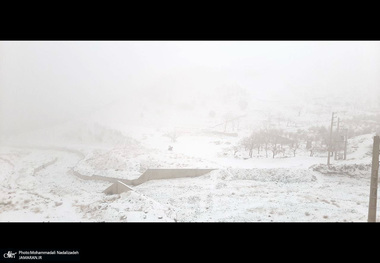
(38, 183)
(278, 195)
(53, 193)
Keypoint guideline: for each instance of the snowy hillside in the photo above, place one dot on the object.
(77, 118)
(42, 171)
(40, 183)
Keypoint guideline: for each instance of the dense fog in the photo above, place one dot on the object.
(47, 82)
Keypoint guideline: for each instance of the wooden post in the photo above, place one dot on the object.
(374, 178)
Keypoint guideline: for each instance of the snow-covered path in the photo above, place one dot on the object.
(41, 187)
(46, 191)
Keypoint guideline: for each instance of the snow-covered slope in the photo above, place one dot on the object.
(38, 183)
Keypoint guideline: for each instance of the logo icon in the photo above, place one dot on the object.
(10, 254)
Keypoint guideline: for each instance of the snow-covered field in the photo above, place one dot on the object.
(39, 183)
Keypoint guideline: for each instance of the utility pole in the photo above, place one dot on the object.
(337, 141)
(345, 143)
(374, 178)
(331, 139)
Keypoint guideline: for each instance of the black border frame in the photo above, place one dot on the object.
(117, 241)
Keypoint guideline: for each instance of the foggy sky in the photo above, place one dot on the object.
(48, 81)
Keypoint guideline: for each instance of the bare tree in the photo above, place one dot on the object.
(296, 145)
(173, 135)
(274, 146)
(276, 140)
(264, 137)
(295, 141)
(249, 143)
